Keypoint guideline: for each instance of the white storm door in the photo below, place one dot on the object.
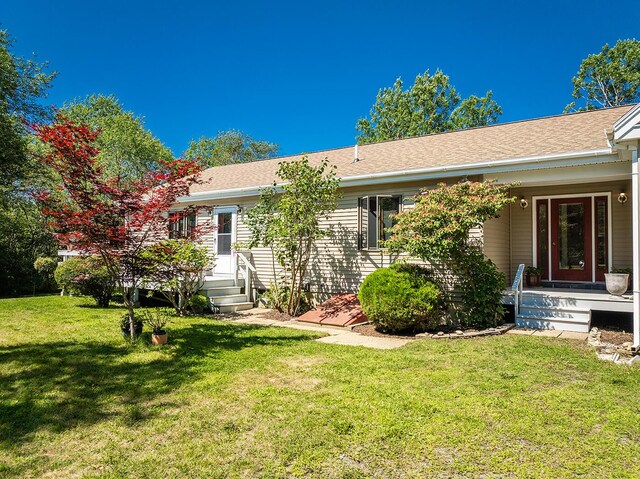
(224, 221)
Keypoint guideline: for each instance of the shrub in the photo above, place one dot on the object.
(402, 298)
(46, 266)
(87, 276)
(198, 303)
(482, 293)
(175, 268)
(156, 319)
(438, 230)
(277, 297)
(125, 327)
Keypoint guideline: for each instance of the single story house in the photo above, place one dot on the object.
(576, 216)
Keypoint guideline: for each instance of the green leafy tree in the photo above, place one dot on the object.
(609, 78)
(229, 147)
(23, 233)
(430, 105)
(127, 148)
(437, 230)
(287, 220)
(177, 270)
(24, 236)
(45, 267)
(23, 83)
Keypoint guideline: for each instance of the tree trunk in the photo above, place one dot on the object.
(129, 304)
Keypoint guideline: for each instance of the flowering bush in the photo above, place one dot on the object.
(438, 230)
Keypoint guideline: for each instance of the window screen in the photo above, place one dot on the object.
(375, 216)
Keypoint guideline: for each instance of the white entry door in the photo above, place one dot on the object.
(224, 220)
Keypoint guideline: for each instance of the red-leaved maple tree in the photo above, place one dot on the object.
(114, 218)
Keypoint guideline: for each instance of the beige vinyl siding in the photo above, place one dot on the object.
(522, 220)
(337, 265)
(496, 240)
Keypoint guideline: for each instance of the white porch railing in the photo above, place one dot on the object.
(245, 269)
(517, 288)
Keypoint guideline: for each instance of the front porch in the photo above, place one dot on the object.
(568, 309)
(574, 223)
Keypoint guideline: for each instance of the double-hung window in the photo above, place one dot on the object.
(375, 217)
(182, 227)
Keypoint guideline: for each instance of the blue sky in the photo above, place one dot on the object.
(301, 73)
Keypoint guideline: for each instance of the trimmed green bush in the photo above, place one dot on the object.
(402, 298)
(87, 276)
(198, 303)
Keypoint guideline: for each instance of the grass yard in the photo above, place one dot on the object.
(227, 400)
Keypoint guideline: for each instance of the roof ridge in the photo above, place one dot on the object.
(494, 125)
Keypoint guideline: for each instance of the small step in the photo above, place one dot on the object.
(533, 322)
(229, 299)
(558, 313)
(222, 291)
(211, 282)
(231, 307)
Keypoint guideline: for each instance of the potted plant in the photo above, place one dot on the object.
(125, 328)
(533, 276)
(157, 320)
(617, 281)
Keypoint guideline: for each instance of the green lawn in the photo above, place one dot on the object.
(227, 400)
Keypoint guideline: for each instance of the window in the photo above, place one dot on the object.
(375, 217)
(601, 228)
(543, 237)
(182, 227)
(224, 233)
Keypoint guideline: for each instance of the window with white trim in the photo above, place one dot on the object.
(375, 217)
(182, 227)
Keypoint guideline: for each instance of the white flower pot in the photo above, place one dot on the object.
(616, 283)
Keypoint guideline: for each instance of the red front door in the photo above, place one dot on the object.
(571, 239)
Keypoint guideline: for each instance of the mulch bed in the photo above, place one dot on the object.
(370, 330)
(615, 336)
(274, 315)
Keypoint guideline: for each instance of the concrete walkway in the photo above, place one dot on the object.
(335, 335)
(347, 337)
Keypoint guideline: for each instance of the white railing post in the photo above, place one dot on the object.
(246, 271)
(517, 289)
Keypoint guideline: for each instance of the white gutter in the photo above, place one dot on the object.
(604, 155)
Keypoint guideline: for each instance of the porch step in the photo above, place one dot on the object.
(583, 315)
(222, 291)
(578, 300)
(568, 310)
(230, 307)
(212, 282)
(229, 299)
(550, 322)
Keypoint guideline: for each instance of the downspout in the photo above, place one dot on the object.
(635, 197)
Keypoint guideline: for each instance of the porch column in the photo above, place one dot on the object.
(635, 221)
